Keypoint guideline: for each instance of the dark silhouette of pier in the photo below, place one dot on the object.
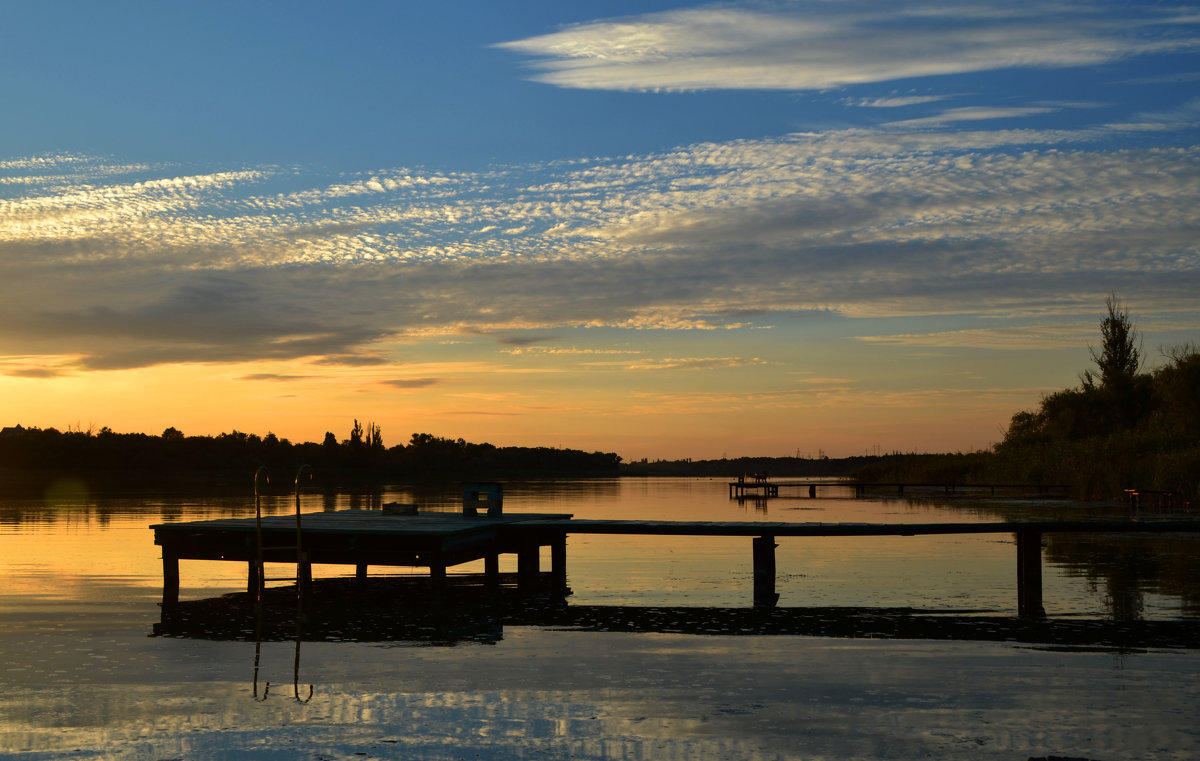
(438, 541)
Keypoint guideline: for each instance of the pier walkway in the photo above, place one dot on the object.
(437, 541)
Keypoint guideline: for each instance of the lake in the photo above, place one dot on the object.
(655, 654)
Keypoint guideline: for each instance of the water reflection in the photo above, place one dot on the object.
(1124, 568)
(260, 620)
(350, 610)
(101, 544)
(405, 611)
(610, 676)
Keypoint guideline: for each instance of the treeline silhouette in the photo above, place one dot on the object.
(32, 459)
(808, 467)
(1120, 429)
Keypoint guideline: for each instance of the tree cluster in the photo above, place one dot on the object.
(1116, 399)
(744, 466)
(1120, 429)
(32, 458)
(1142, 433)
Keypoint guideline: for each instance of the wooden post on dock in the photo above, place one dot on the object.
(558, 562)
(437, 573)
(764, 572)
(1029, 575)
(304, 581)
(528, 566)
(170, 577)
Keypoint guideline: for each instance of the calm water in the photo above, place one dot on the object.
(86, 673)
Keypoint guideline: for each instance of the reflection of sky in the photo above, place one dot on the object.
(604, 696)
(79, 677)
(104, 551)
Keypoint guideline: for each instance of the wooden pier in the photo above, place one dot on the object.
(762, 488)
(364, 538)
(437, 541)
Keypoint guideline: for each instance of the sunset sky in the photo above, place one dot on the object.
(659, 229)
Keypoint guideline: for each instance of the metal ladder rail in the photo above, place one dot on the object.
(260, 474)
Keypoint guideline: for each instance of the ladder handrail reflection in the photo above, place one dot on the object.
(301, 578)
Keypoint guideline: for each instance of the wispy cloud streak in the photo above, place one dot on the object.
(814, 46)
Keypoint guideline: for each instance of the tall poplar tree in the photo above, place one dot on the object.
(1120, 356)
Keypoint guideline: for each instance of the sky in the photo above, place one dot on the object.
(659, 229)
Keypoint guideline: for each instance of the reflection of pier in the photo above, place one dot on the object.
(761, 488)
(400, 609)
(440, 540)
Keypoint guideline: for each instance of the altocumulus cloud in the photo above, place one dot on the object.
(127, 266)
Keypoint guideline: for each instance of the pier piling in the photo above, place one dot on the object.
(1029, 575)
(765, 595)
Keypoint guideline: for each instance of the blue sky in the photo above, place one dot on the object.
(658, 229)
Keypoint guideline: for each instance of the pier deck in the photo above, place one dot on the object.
(439, 540)
(361, 538)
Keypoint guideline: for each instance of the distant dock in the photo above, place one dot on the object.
(759, 487)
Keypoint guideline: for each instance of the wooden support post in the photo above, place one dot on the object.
(764, 572)
(304, 582)
(170, 577)
(491, 569)
(253, 582)
(527, 566)
(437, 573)
(812, 491)
(360, 572)
(558, 562)
(1029, 575)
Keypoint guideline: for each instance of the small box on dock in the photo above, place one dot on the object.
(489, 496)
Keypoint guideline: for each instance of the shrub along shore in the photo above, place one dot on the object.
(1120, 429)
